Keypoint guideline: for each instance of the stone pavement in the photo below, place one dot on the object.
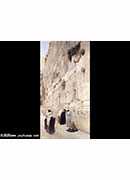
(61, 133)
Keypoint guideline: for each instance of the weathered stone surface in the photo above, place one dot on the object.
(67, 83)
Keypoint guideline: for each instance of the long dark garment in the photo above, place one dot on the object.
(63, 118)
(45, 124)
(51, 128)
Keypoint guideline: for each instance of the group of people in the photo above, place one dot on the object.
(64, 117)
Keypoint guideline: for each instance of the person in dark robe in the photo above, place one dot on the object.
(47, 119)
(45, 124)
(63, 117)
(51, 128)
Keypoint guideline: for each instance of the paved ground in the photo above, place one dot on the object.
(61, 133)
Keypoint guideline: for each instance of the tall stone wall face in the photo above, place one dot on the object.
(66, 83)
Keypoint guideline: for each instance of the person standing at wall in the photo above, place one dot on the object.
(50, 122)
(68, 119)
(51, 128)
(47, 119)
(63, 117)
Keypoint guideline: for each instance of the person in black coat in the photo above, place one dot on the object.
(45, 123)
(51, 128)
(63, 117)
(47, 118)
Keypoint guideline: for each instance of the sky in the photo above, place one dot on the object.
(44, 47)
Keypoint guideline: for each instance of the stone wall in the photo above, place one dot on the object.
(66, 80)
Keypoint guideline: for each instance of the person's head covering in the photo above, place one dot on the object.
(67, 107)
